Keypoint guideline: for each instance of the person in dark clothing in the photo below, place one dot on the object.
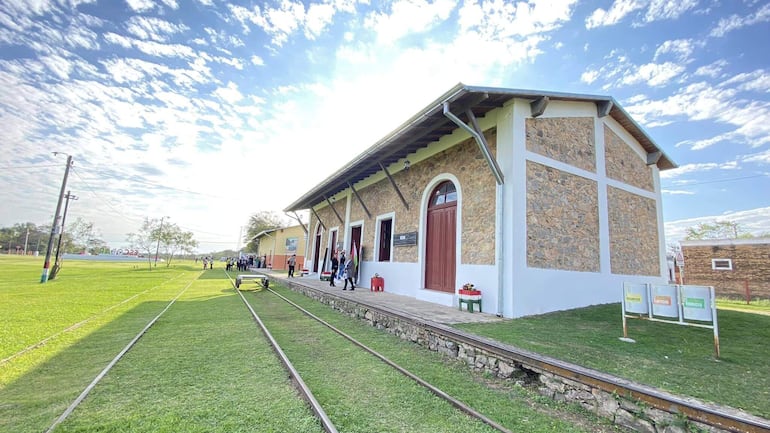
(292, 263)
(348, 275)
(335, 267)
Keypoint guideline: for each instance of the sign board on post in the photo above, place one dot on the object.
(665, 300)
(675, 301)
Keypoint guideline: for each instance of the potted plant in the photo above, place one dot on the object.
(469, 289)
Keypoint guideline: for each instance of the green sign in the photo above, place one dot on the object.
(695, 303)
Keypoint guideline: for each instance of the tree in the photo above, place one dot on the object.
(174, 240)
(259, 222)
(145, 239)
(717, 230)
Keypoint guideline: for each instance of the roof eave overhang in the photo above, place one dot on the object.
(431, 119)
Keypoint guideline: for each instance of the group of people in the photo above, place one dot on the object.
(342, 269)
(208, 262)
(242, 263)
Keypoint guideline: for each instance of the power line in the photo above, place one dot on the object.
(724, 180)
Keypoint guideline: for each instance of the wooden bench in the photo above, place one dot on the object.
(263, 279)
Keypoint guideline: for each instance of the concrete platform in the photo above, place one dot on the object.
(399, 303)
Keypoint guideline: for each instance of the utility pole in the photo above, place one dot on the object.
(56, 263)
(47, 263)
(157, 247)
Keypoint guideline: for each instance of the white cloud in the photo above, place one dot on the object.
(761, 157)
(589, 76)
(257, 61)
(755, 221)
(758, 80)
(712, 70)
(681, 49)
(653, 74)
(140, 5)
(229, 94)
(152, 28)
(656, 10)
(408, 17)
(667, 9)
(676, 192)
(697, 168)
(619, 10)
(735, 22)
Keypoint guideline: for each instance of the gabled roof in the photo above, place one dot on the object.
(431, 124)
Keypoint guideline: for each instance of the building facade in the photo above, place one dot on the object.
(277, 245)
(543, 201)
(737, 268)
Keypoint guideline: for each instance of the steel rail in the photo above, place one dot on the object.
(694, 410)
(112, 363)
(299, 384)
(436, 391)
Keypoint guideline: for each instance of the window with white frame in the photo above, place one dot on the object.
(722, 264)
(384, 239)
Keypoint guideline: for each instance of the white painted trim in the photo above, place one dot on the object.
(386, 216)
(719, 268)
(424, 215)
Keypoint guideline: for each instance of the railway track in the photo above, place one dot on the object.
(307, 394)
(722, 418)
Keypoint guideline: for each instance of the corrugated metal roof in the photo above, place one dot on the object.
(430, 124)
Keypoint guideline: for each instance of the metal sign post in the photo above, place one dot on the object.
(682, 303)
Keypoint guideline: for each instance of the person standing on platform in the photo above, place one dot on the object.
(347, 274)
(335, 268)
(292, 262)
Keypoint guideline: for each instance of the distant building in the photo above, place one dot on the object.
(735, 267)
(277, 245)
(544, 201)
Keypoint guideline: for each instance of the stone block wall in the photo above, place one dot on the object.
(625, 165)
(477, 183)
(562, 220)
(750, 266)
(566, 139)
(634, 243)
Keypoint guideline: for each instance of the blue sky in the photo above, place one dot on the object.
(207, 111)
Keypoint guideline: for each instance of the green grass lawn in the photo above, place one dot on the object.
(412, 408)
(675, 358)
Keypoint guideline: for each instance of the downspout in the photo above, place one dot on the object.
(482, 143)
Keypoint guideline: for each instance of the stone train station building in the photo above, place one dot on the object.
(543, 201)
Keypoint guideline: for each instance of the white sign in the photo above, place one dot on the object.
(635, 298)
(696, 303)
(665, 300)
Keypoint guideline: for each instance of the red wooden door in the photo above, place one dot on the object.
(441, 230)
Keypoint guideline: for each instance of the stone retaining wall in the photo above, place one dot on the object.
(630, 414)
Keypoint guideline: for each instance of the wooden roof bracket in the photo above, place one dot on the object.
(331, 205)
(393, 182)
(653, 158)
(318, 218)
(299, 220)
(603, 108)
(475, 131)
(538, 105)
(359, 200)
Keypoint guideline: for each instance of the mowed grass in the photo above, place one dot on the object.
(339, 372)
(201, 368)
(675, 358)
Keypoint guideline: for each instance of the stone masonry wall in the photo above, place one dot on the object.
(466, 162)
(566, 139)
(624, 412)
(624, 164)
(633, 233)
(751, 266)
(562, 220)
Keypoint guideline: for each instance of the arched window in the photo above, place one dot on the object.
(443, 194)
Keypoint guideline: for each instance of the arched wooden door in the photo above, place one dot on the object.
(441, 231)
